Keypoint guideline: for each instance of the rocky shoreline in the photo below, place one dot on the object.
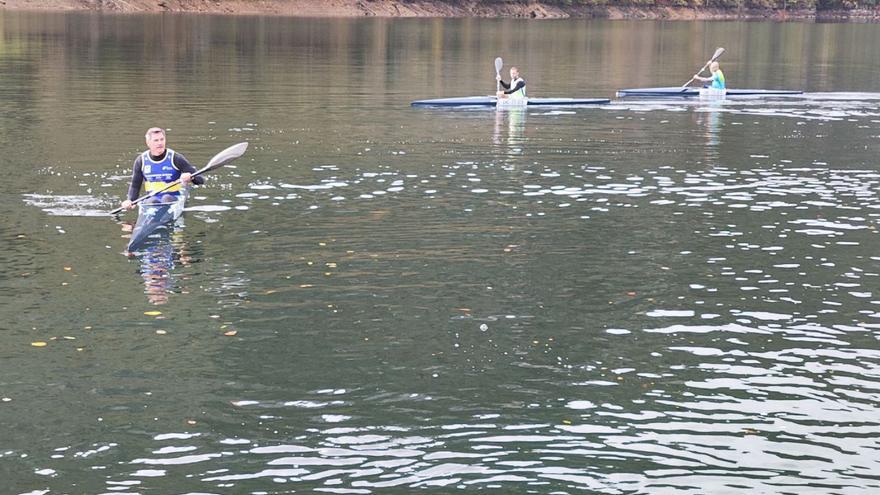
(417, 8)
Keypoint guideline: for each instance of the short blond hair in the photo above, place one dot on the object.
(153, 130)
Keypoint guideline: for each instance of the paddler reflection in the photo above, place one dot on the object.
(708, 119)
(157, 260)
(510, 126)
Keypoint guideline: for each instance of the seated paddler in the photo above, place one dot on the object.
(515, 89)
(716, 79)
(157, 168)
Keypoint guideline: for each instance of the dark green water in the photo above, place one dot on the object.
(648, 297)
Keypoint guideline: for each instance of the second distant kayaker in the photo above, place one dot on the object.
(716, 80)
(515, 89)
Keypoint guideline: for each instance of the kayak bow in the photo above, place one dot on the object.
(153, 217)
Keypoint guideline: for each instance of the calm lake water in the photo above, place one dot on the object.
(648, 297)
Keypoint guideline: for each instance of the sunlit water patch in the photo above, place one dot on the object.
(70, 205)
(645, 297)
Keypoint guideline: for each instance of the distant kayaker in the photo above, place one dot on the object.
(716, 80)
(515, 89)
(157, 167)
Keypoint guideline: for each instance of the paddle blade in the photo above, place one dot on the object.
(718, 53)
(225, 156)
(498, 65)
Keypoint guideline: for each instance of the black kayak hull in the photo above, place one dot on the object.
(679, 92)
(153, 217)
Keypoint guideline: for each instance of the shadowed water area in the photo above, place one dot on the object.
(647, 297)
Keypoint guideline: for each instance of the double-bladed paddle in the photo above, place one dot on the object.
(498, 65)
(220, 159)
(718, 53)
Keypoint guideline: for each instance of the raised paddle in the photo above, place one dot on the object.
(220, 159)
(718, 53)
(498, 65)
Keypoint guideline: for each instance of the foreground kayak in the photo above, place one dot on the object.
(492, 101)
(156, 216)
(676, 91)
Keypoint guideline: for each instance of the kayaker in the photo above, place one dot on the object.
(716, 80)
(157, 167)
(515, 89)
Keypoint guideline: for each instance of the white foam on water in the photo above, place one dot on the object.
(316, 187)
(176, 461)
(174, 450)
(670, 313)
(235, 441)
(208, 208)
(617, 331)
(71, 205)
(175, 436)
(580, 404)
(266, 473)
(280, 449)
(149, 473)
(765, 316)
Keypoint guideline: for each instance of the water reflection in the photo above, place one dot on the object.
(509, 129)
(165, 251)
(616, 314)
(708, 118)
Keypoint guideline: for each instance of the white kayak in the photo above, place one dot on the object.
(493, 101)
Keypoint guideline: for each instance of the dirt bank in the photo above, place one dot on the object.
(416, 8)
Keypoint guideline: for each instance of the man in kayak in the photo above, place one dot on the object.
(716, 80)
(516, 89)
(158, 167)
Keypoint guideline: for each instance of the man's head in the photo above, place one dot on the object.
(714, 66)
(514, 72)
(156, 140)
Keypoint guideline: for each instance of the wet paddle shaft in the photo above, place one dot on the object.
(717, 54)
(220, 159)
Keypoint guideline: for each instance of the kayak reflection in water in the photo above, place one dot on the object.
(515, 89)
(716, 80)
(510, 134)
(157, 263)
(157, 168)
